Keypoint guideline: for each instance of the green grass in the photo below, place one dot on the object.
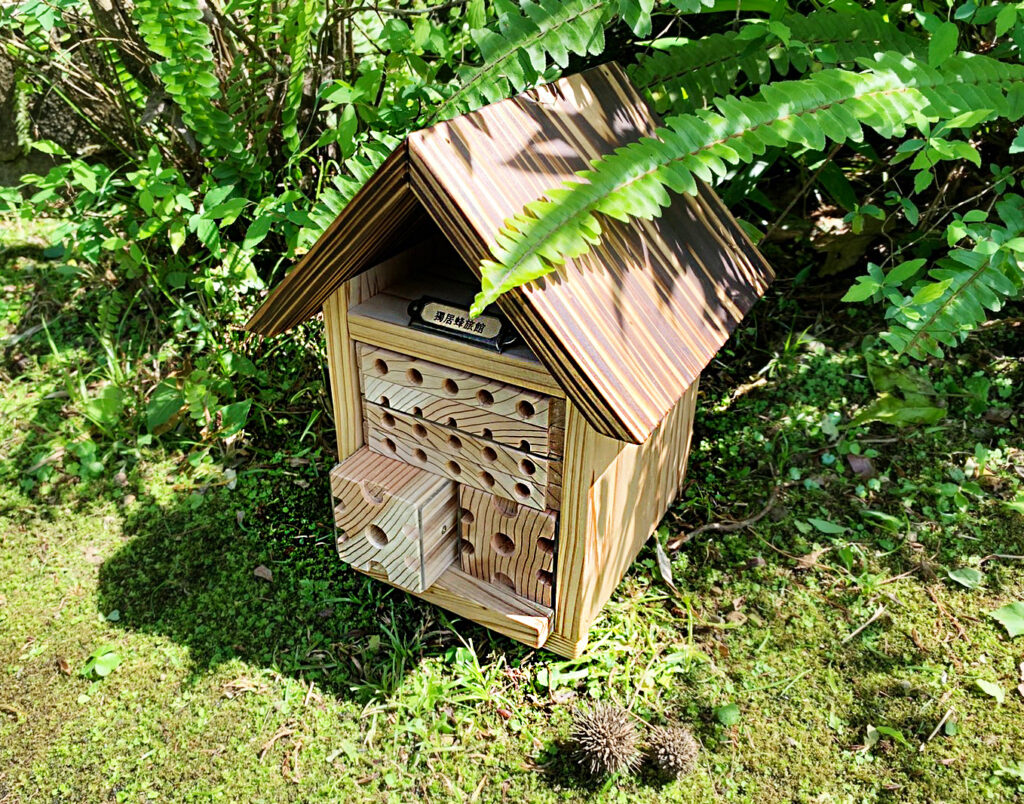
(323, 685)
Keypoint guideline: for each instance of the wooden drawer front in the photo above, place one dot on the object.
(476, 420)
(448, 383)
(395, 518)
(507, 544)
(460, 456)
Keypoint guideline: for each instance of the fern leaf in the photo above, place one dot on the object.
(688, 76)
(517, 54)
(175, 31)
(299, 32)
(964, 285)
(891, 93)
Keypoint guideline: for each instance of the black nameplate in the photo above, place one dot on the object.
(490, 330)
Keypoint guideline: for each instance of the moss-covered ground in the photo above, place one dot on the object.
(824, 653)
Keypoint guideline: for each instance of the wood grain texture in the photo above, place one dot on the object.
(488, 605)
(475, 420)
(615, 497)
(343, 373)
(458, 445)
(395, 517)
(465, 469)
(624, 330)
(450, 383)
(507, 544)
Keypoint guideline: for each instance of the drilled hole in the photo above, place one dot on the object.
(419, 455)
(387, 420)
(417, 411)
(454, 442)
(373, 493)
(450, 387)
(485, 397)
(376, 536)
(527, 467)
(544, 577)
(489, 455)
(419, 430)
(454, 468)
(522, 491)
(487, 478)
(487, 433)
(526, 410)
(525, 446)
(466, 516)
(385, 401)
(451, 422)
(390, 445)
(466, 547)
(503, 544)
(380, 367)
(413, 376)
(546, 545)
(501, 579)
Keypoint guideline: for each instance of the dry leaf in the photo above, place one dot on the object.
(263, 573)
(861, 466)
(810, 561)
(64, 666)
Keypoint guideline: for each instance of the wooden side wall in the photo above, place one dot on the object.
(615, 494)
(342, 364)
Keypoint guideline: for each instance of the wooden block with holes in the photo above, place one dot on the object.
(394, 518)
(449, 383)
(508, 544)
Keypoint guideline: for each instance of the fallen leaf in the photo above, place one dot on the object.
(263, 573)
(810, 561)
(1012, 618)
(664, 564)
(991, 688)
(861, 466)
(65, 667)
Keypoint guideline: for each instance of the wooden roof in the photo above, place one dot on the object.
(626, 329)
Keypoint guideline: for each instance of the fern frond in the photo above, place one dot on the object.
(175, 31)
(298, 30)
(517, 53)
(687, 77)
(892, 92)
(965, 284)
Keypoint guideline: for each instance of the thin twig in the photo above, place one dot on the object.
(728, 527)
(803, 191)
(878, 613)
(935, 731)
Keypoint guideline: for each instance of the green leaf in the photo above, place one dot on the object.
(728, 715)
(101, 663)
(942, 44)
(257, 230)
(931, 292)
(105, 410)
(864, 289)
(1012, 618)
(1018, 142)
(991, 688)
(892, 410)
(1005, 19)
(165, 401)
(233, 417)
(825, 526)
(967, 576)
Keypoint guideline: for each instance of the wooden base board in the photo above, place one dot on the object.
(483, 603)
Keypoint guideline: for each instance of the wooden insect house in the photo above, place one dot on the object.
(509, 467)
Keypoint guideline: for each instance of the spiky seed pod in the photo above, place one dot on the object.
(673, 750)
(606, 740)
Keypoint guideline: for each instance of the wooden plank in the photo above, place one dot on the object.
(377, 322)
(393, 516)
(463, 470)
(488, 605)
(615, 497)
(463, 386)
(346, 400)
(507, 544)
(476, 420)
(451, 442)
